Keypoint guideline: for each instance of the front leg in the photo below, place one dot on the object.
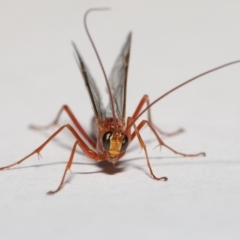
(68, 166)
(142, 144)
(136, 132)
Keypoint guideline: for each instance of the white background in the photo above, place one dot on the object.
(172, 41)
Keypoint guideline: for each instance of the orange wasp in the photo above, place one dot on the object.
(113, 130)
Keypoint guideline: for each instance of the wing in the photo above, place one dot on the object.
(118, 79)
(94, 94)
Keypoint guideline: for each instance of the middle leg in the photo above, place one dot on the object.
(160, 141)
(145, 100)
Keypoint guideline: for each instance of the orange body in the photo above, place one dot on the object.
(113, 134)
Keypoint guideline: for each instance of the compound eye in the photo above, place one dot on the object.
(106, 140)
(124, 144)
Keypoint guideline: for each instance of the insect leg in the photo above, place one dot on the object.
(142, 144)
(89, 152)
(68, 166)
(142, 123)
(145, 99)
(74, 120)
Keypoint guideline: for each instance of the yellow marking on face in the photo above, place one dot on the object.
(115, 144)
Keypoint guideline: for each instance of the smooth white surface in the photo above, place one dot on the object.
(172, 41)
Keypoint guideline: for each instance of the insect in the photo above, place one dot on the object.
(114, 132)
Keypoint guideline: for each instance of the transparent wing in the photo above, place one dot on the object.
(91, 87)
(118, 79)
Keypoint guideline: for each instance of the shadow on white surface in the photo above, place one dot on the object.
(172, 41)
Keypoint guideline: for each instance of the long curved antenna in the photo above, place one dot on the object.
(182, 84)
(99, 60)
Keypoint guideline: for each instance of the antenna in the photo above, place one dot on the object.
(99, 60)
(181, 85)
